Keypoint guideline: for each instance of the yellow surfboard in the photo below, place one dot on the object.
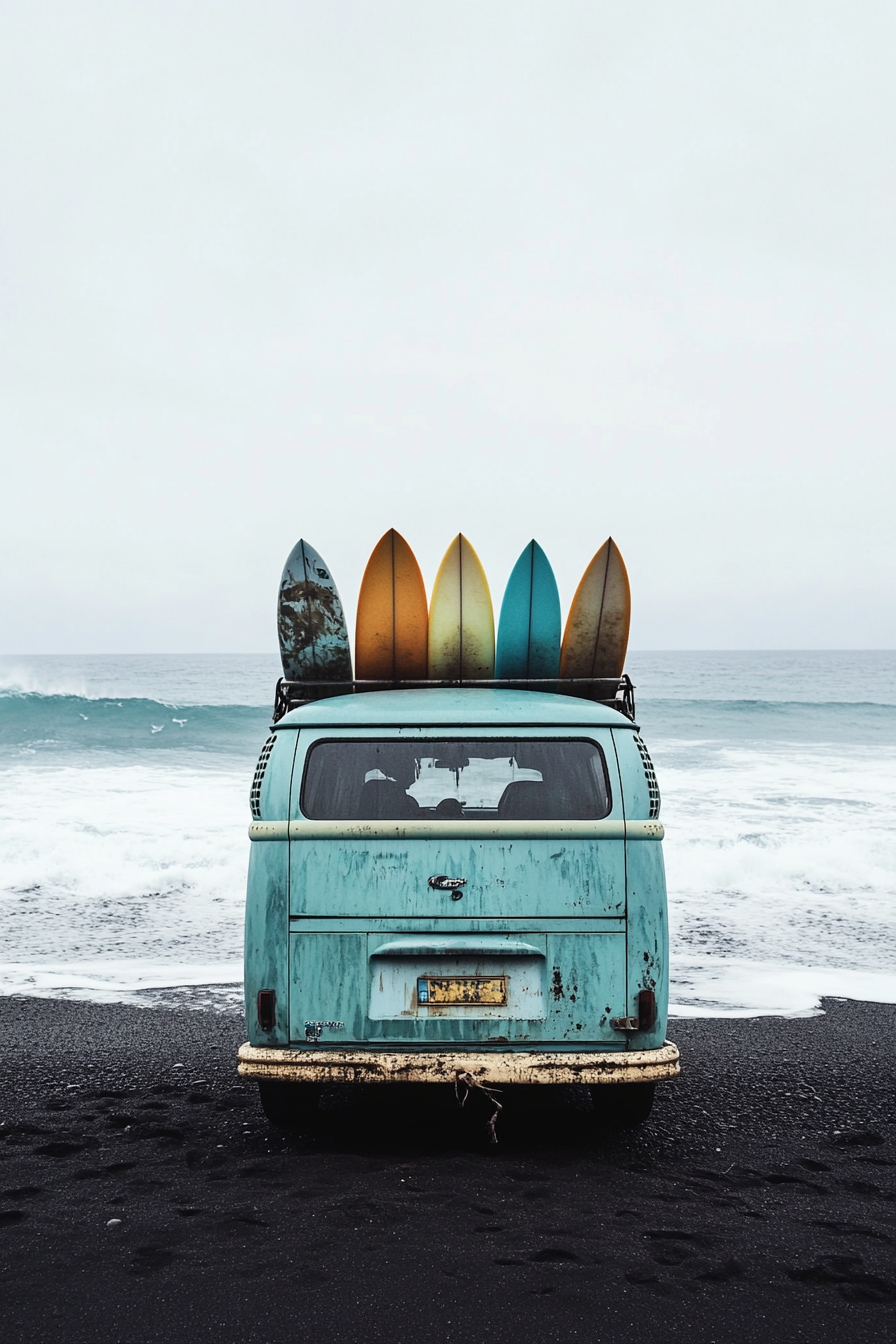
(461, 621)
(393, 619)
(596, 635)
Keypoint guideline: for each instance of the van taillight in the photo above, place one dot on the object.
(267, 1001)
(646, 1009)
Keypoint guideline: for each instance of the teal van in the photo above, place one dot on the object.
(456, 883)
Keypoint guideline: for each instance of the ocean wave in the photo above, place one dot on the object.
(133, 979)
(778, 708)
(124, 862)
(729, 987)
(781, 871)
(771, 722)
(184, 679)
(36, 723)
(794, 676)
(34, 720)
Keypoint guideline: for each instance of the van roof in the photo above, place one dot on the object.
(460, 705)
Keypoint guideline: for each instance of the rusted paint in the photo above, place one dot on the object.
(536, 1066)
(462, 989)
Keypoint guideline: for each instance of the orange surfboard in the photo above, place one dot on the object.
(596, 636)
(392, 628)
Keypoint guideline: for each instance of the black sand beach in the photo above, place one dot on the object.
(757, 1204)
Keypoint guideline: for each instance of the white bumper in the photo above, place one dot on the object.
(314, 1065)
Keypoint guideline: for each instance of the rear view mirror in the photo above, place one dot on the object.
(452, 760)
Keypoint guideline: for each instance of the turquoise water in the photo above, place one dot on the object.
(124, 806)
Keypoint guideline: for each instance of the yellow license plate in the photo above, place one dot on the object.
(444, 989)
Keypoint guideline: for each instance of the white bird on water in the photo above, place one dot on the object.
(157, 727)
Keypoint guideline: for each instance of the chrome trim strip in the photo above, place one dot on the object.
(456, 830)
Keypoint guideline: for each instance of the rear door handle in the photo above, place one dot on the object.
(441, 882)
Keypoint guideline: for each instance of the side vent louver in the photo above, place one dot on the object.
(652, 787)
(255, 791)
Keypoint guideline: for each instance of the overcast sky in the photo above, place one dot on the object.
(559, 270)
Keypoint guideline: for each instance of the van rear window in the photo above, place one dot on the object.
(496, 779)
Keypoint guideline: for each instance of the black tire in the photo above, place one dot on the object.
(289, 1105)
(622, 1105)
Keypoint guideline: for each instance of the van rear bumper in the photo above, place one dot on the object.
(389, 1066)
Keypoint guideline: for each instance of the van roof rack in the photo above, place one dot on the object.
(614, 692)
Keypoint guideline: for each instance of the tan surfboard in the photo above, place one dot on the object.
(596, 636)
(392, 628)
(461, 620)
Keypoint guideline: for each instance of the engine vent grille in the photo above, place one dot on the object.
(255, 791)
(652, 787)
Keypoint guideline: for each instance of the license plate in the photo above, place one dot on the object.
(444, 989)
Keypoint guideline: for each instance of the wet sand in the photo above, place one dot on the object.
(757, 1204)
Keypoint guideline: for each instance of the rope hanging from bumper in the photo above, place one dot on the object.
(464, 1084)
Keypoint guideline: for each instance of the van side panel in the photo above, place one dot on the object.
(267, 901)
(648, 937)
(647, 959)
(267, 920)
(634, 779)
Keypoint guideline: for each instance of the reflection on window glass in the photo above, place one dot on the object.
(534, 780)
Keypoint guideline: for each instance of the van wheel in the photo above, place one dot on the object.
(289, 1105)
(622, 1105)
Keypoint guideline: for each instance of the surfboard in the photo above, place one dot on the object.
(310, 621)
(461, 621)
(392, 629)
(529, 625)
(596, 634)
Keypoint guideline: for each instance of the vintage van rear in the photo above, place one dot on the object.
(453, 882)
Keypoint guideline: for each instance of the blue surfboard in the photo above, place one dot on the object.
(529, 625)
(310, 621)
